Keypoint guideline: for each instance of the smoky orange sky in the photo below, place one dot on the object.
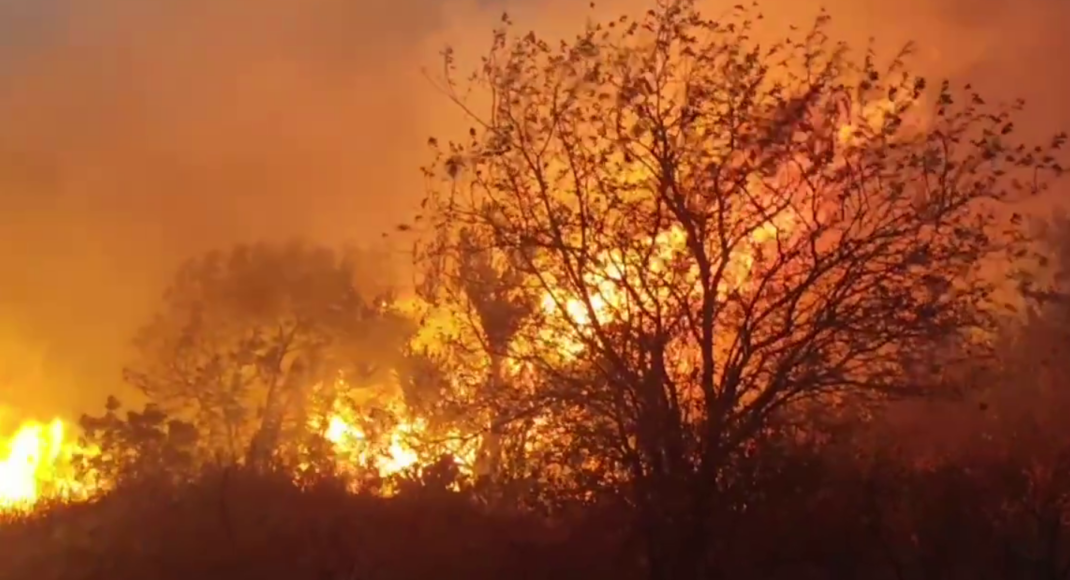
(136, 133)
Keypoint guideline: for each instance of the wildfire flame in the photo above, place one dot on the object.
(395, 450)
(36, 463)
(37, 454)
(605, 296)
(351, 440)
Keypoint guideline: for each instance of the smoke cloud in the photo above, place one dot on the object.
(134, 134)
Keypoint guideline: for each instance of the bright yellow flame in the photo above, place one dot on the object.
(607, 297)
(396, 451)
(35, 465)
(399, 453)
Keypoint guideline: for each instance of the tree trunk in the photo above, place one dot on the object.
(675, 531)
(489, 456)
(675, 552)
(280, 399)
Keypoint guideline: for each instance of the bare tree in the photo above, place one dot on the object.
(717, 229)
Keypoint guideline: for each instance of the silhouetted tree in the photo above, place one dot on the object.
(718, 230)
(141, 447)
(245, 337)
(491, 304)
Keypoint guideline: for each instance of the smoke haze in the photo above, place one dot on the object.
(134, 134)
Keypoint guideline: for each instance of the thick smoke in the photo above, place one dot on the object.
(134, 134)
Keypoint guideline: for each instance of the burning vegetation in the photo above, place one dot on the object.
(665, 256)
(37, 463)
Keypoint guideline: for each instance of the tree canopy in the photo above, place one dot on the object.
(247, 340)
(708, 230)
